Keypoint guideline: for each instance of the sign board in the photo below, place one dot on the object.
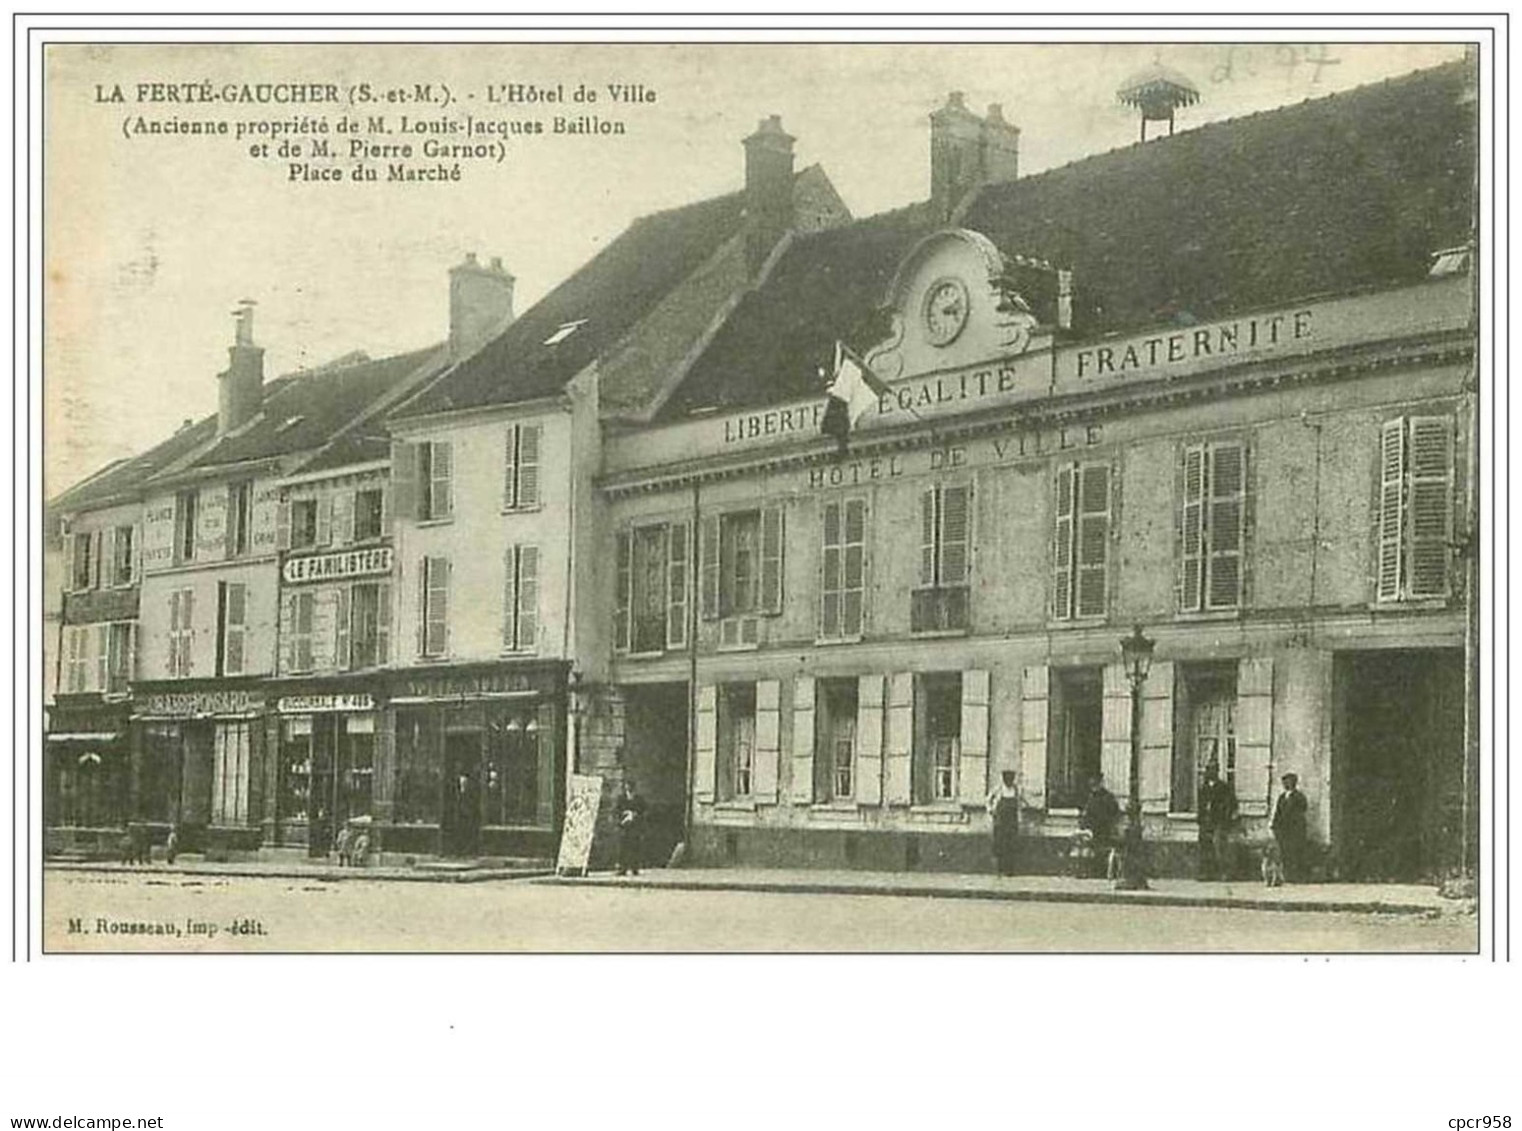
(307, 704)
(582, 804)
(334, 567)
(193, 704)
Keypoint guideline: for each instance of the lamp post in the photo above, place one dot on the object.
(1136, 654)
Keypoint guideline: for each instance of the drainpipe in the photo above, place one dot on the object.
(695, 592)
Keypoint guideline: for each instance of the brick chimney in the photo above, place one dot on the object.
(480, 304)
(768, 189)
(967, 151)
(240, 388)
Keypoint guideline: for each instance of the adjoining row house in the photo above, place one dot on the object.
(1215, 385)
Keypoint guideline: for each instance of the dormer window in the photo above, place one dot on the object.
(565, 331)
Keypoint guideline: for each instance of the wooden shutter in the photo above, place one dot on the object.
(1115, 750)
(440, 479)
(343, 517)
(288, 633)
(1429, 506)
(772, 540)
(768, 739)
(235, 630)
(929, 524)
(510, 469)
(1157, 738)
(383, 623)
(102, 656)
(1192, 531)
(422, 607)
(1392, 463)
(325, 520)
(1062, 543)
(283, 525)
(510, 598)
(678, 563)
(1035, 685)
(68, 563)
(528, 597)
(1255, 733)
(854, 583)
(972, 770)
(342, 629)
(710, 567)
(899, 758)
(801, 791)
(108, 556)
(1226, 524)
(869, 740)
(404, 480)
(97, 544)
(528, 465)
(623, 598)
(831, 572)
(230, 523)
(1093, 541)
(188, 629)
(386, 515)
(956, 535)
(706, 743)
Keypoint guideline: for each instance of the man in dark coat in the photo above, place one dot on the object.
(1004, 808)
(1101, 815)
(1216, 813)
(1288, 828)
(629, 816)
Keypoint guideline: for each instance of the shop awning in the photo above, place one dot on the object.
(83, 736)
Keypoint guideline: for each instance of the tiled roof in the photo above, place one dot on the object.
(570, 327)
(1327, 196)
(119, 482)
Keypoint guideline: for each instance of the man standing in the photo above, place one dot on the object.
(1217, 812)
(1288, 828)
(629, 815)
(1004, 808)
(1101, 815)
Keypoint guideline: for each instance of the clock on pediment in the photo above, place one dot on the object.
(945, 310)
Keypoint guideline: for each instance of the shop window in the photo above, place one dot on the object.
(121, 660)
(1081, 541)
(359, 737)
(520, 599)
(1075, 726)
(181, 632)
(186, 508)
(1415, 513)
(230, 774)
(941, 603)
(520, 489)
(369, 514)
(435, 481)
(85, 788)
(419, 762)
(240, 513)
(433, 607)
(515, 742)
(369, 626)
(651, 611)
(1212, 523)
(937, 736)
(835, 739)
(296, 768)
(1205, 729)
(233, 597)
(842, 610)
(123, 555)
(302, 618)
(737, 740)
(303, 524)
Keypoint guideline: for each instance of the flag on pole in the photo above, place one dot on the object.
(854, 390)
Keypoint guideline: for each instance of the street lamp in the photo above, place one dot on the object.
(1136, 655)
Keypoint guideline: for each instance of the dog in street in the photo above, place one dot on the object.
(1272, 866)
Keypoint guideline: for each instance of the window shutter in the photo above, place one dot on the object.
(510, 598)
(1228, 497)
(1192, 531)
(768, 739)
(710, 567)
(854, 597)
(802, 768)
(1034, 692)
(96, 545)
(343, 518)
(1392, 463)
(1093, 539)
(929, 521)
(108, 556)
(441, 480)
(342, 656)
(528, 597)
(1115, 749)
(386, 515)
(68, 563)
(102, 655)
(1430, 506)
(899, 759)
(383, 623)
(325, 521)
(510, 468)
(869, 740)
(528, 465)
(235, 619)
(1157, 738)
(288, 633)
(623, 599)
(1255, 733)
(188, 626)
(972, 772)
(956, 535)
(230, 523)
(705, 745)
(283, 525)
(422, 607)
(772, 540)
(1062, 544)
(404, 480)
(677, 566)
(172, 663)
(830, 568)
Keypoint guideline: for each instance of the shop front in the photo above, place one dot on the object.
(480, 761)
(325, 768)
(199, 763)
(86, 776)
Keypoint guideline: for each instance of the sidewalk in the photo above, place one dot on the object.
(1401, 899)
(464, 872)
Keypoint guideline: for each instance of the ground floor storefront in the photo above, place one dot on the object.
(87, 776)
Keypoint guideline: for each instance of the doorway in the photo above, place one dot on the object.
(1397, 737)
(461, 826)
(655, 755)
